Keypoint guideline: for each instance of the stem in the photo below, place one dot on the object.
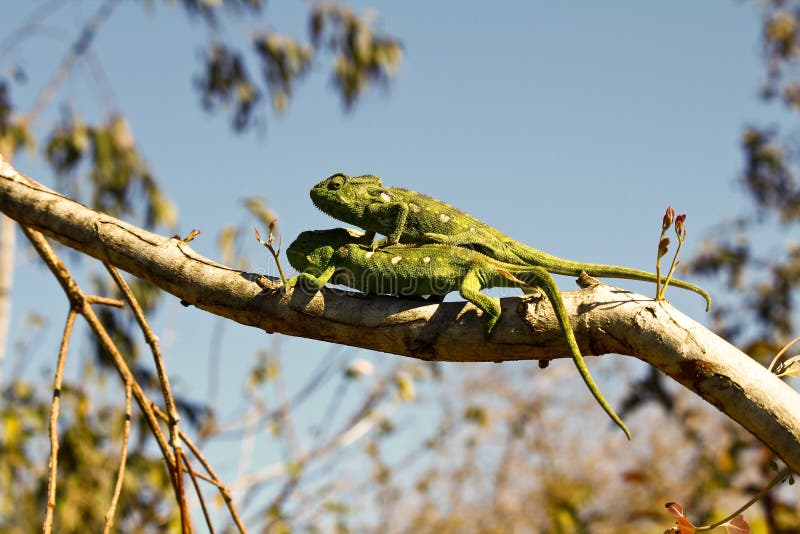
(658, 278)
(672, 268)
(785, 472)
(275, 253)
(278, 263)
(781, 353)
(659, 255)
(126, 432)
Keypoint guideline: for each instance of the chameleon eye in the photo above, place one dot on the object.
(336, 182)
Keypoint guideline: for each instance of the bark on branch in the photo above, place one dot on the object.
(605, 319)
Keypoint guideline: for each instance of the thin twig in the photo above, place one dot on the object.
(126, 431)
(780, 477)
(54, 411)
(781, 352)
(166, 391)
(186, 521)
(105, 301)
(283, 398)
(27, 28)
(214, 359)
(223, 489)
(314, 383)
(152, 341)
(204, 477)
(77, 49)
(197, 490)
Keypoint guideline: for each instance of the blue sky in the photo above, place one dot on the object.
(570, 126)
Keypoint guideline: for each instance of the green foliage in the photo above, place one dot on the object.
(768, 175)
(225, 82)
(283, 61)
(208, 10)
(88, 459)
(14, 133)
(361, 57)
(767, 318)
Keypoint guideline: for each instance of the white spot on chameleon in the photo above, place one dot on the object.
(413, 207)
(396, 260)
(385, 197)
(369, 254)
(444, 217)
(426, 259)
(471, 228)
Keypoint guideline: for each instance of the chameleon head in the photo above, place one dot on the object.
(297, 252)
(314, 248)
(344, 197)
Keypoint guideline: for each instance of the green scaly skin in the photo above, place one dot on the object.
(410, 217)
(340, 256)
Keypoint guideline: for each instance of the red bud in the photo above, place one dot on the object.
(663, 246)
(680, 228)
(669, 215)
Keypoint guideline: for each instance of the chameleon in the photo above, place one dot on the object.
(414, 218)
(342, 256)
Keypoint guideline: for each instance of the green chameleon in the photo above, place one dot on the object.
(342, 257)
(418, 219)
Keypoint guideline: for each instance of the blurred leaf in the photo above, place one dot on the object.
(362, 57)
(768, 176)
(358, 368)
(208, 10)
(684, 525)
(737, 525)
(226, 83)
(258, 208)
(283, 61)
(405, 386)
(476, 414)
(14, 132)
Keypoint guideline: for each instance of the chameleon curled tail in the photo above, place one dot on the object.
(538, 277)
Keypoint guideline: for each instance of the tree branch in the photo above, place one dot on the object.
(605, 319)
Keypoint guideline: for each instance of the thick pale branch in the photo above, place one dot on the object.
(605, 319)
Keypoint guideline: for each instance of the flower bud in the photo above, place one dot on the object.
(663, 246)
(669, 215)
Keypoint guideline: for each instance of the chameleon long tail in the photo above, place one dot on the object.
(544, 281)
(558, 265)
